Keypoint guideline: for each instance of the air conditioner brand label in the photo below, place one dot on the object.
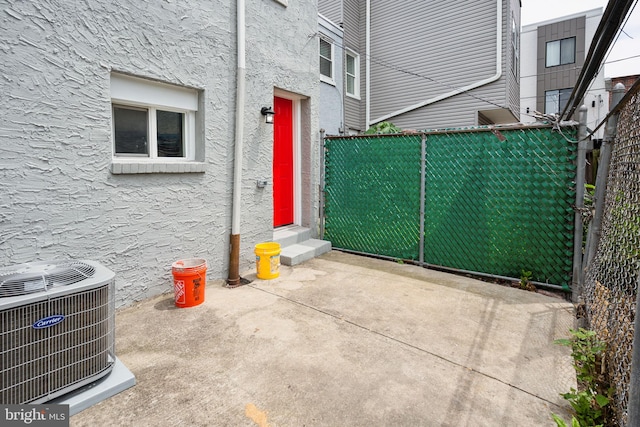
(47, 322)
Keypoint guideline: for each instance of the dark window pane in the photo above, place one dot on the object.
(130, 131)
(551, 103)
(170, 134)
(325, 59)
(564, 95)
(325, 67)
(351, 85)
(325, 49)
(351, 65)
(568, 51)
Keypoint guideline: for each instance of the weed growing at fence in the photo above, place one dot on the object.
(590, 403)
(525, 281)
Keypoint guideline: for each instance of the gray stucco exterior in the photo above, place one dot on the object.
(59, 195)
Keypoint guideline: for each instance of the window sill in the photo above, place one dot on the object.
(356, 97)
(327, 80)
(133, 167)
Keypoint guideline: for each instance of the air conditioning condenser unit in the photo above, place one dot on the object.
(57, 323)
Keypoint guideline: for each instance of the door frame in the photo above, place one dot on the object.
(297, 161)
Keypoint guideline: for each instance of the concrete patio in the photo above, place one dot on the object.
(344, 340)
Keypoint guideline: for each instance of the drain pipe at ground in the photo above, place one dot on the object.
(234, 242)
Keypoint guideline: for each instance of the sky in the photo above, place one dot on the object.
(627, 44)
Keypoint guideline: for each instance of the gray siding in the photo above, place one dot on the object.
(513, 79)
(457, 111)
(356, 20)
(331, 9)
(561, 76)
(433, 50)
(354, 36)
(58, 198)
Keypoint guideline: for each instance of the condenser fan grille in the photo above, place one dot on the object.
(57, 324)
(41, 276)
(37, 364)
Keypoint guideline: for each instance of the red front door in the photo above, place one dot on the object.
(282, 162)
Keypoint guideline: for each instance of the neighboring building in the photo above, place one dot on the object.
(331, 77)
(553, 54)
(434, 65)
(118, 129)
(627, 81)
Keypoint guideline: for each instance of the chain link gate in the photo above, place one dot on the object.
(495, 201)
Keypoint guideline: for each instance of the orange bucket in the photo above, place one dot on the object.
(189, 279)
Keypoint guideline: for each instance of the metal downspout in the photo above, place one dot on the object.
(234, 242)
(367, 77)
(423, 174)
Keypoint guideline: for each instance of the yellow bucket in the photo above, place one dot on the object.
(268, 260)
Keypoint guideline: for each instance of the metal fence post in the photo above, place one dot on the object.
(595, 227)
(581, 163)
(321, 184)
(423, 172)
(633, 406)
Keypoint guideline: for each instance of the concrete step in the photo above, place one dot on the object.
(301, 252)
(291, 235)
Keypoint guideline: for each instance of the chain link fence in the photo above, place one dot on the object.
(372, 194)
(611, 278)
(494, 201)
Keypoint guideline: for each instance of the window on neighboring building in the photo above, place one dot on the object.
(152, 121)
(326, 61)
(352, 73)
(556, 100)
(560, 52)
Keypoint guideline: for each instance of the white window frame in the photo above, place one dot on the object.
(128, 91)
(356, 75)
(327, 79)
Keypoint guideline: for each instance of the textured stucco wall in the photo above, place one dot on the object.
(58, 198)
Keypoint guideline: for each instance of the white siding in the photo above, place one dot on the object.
(528, 71)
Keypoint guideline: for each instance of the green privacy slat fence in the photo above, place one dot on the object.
(491, 206)
(373, 195)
